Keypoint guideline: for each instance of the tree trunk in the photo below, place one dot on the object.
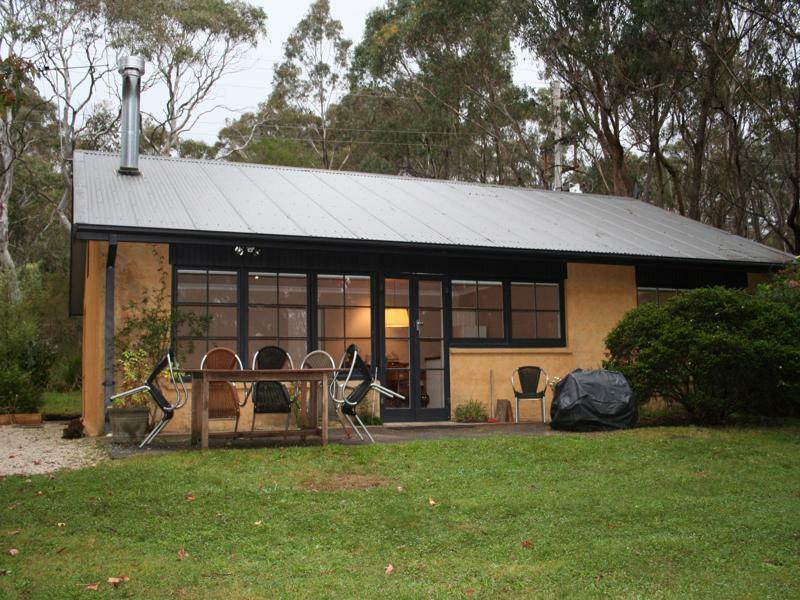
(7, 153)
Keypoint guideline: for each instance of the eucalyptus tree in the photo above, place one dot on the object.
(189, 45)
(313, 77)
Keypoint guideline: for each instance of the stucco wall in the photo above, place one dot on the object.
(596, 297)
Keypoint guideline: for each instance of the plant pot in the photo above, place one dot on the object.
(129, 424)
(5, 419)
(27, 418)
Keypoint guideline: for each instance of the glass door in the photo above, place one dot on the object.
(414, 359)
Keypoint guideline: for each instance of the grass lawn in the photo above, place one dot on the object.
(648, 513)
(61, 403)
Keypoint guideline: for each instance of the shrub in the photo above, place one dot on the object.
(716, 351)
(471, 412)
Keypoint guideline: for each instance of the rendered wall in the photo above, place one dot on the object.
(596, 297)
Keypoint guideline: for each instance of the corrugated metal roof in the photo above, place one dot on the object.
(226, 197)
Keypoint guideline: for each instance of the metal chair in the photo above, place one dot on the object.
(348, 403)
(271, 397)
(529, 378)
(151, 387)
(319, 359)
(223, 398)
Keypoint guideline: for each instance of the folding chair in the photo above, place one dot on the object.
(529, 383)
(348, 403)
(319, 359)
(223, 399)
(271, 397)
(151, 387)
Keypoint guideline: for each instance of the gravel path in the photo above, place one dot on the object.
(38, 450)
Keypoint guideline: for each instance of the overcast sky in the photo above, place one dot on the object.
(245, 89)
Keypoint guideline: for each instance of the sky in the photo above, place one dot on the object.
(243, 90)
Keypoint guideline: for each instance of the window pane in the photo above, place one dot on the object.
(490, 294)
(297, 349)
(190, 353)
(229, 344)
(433, 388)
(430, 294)
(223, 321)
(222, 288)
(357, 322)
(262, 322)
(263, 288)
(397, 354)
(364, 346)
(523, 324)
(292, 289)
(191, 286)
(396, 292)
(646, 295)
(464, 294)
(190, 321)
(465, 324)
(431, 323)
(431, 354)
(665, 294)
(333, 347)
(331, 322)
(490, 324)
(522, 296)
(357, 291)
(292, 322)
(548, 325)
(330, 290)
(254, 346)
(547, 296)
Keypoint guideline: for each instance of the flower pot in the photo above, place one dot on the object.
(27, 418)
(129, 424)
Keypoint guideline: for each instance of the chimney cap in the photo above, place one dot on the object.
(130, 62)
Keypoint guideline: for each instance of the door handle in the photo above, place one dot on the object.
(419, 325)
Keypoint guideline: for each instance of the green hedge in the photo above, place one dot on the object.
(716, 351)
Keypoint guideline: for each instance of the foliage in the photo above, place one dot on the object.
(471, 412)
(717, 506)
(135, 365)
(61, 404)
(715, 351)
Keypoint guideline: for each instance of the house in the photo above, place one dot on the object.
(446, 287)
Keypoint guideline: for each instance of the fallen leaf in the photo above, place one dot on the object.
(12, 506)
(190, 497)
(13, 552)
(258, 523)
(51, 476)
(115, 581)
(399, 488)
(37, 462)
(389, 569)
(526, 544)
(60, 550)
(61, 524)
(3, 572)
(40, 493)
(14, 531)
(92, 586)
(469, 591)
(182, 554)
(327, 572)
(431, 501)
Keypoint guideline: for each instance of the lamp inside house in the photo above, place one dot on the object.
(396, 317)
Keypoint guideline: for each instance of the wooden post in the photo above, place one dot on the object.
(204, 415)
(325, 409)
(197, 403)
(504, 412)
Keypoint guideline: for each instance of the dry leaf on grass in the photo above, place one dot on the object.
(115, 581)
(258, 523)
(389, 569)
(526, 543)
(12, 552)
(190, 497)
(12, 507)
(469, 592)
(40, 493)
(60, 550)
(61, 524)
(399, 488)
(431, 501)
(92, 586)
(182, 554)
(14, 532)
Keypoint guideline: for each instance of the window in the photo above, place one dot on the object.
(477, 309)
(277, 313)
(535, 311)
(659, 295)
(211, 296)
(344, 314)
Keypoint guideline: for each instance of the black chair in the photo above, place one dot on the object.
(348, 402)
(529, 378)
(151, 387)
(271, 397)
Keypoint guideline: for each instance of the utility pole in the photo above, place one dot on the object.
(555, 87)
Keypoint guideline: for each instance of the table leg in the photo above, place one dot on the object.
(325, 401)
(197, 403)
(204, 415)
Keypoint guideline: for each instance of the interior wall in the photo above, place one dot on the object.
(596, 298)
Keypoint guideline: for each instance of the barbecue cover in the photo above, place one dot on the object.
(593, 401)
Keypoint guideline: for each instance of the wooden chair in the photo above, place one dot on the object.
(223, 398)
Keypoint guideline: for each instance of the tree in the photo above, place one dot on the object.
(312, 78)
(190, 46)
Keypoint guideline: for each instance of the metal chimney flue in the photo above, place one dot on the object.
(132, 69)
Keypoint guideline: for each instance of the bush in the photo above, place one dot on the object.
(471, 412)
(715, 351)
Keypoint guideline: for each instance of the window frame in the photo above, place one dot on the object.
(507, 341)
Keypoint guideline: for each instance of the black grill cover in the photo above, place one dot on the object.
(593, 401)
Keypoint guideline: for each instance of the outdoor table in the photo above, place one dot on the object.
(201, 378)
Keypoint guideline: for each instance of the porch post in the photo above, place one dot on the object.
(108, 382)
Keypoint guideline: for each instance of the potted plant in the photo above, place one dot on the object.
(130, 416)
